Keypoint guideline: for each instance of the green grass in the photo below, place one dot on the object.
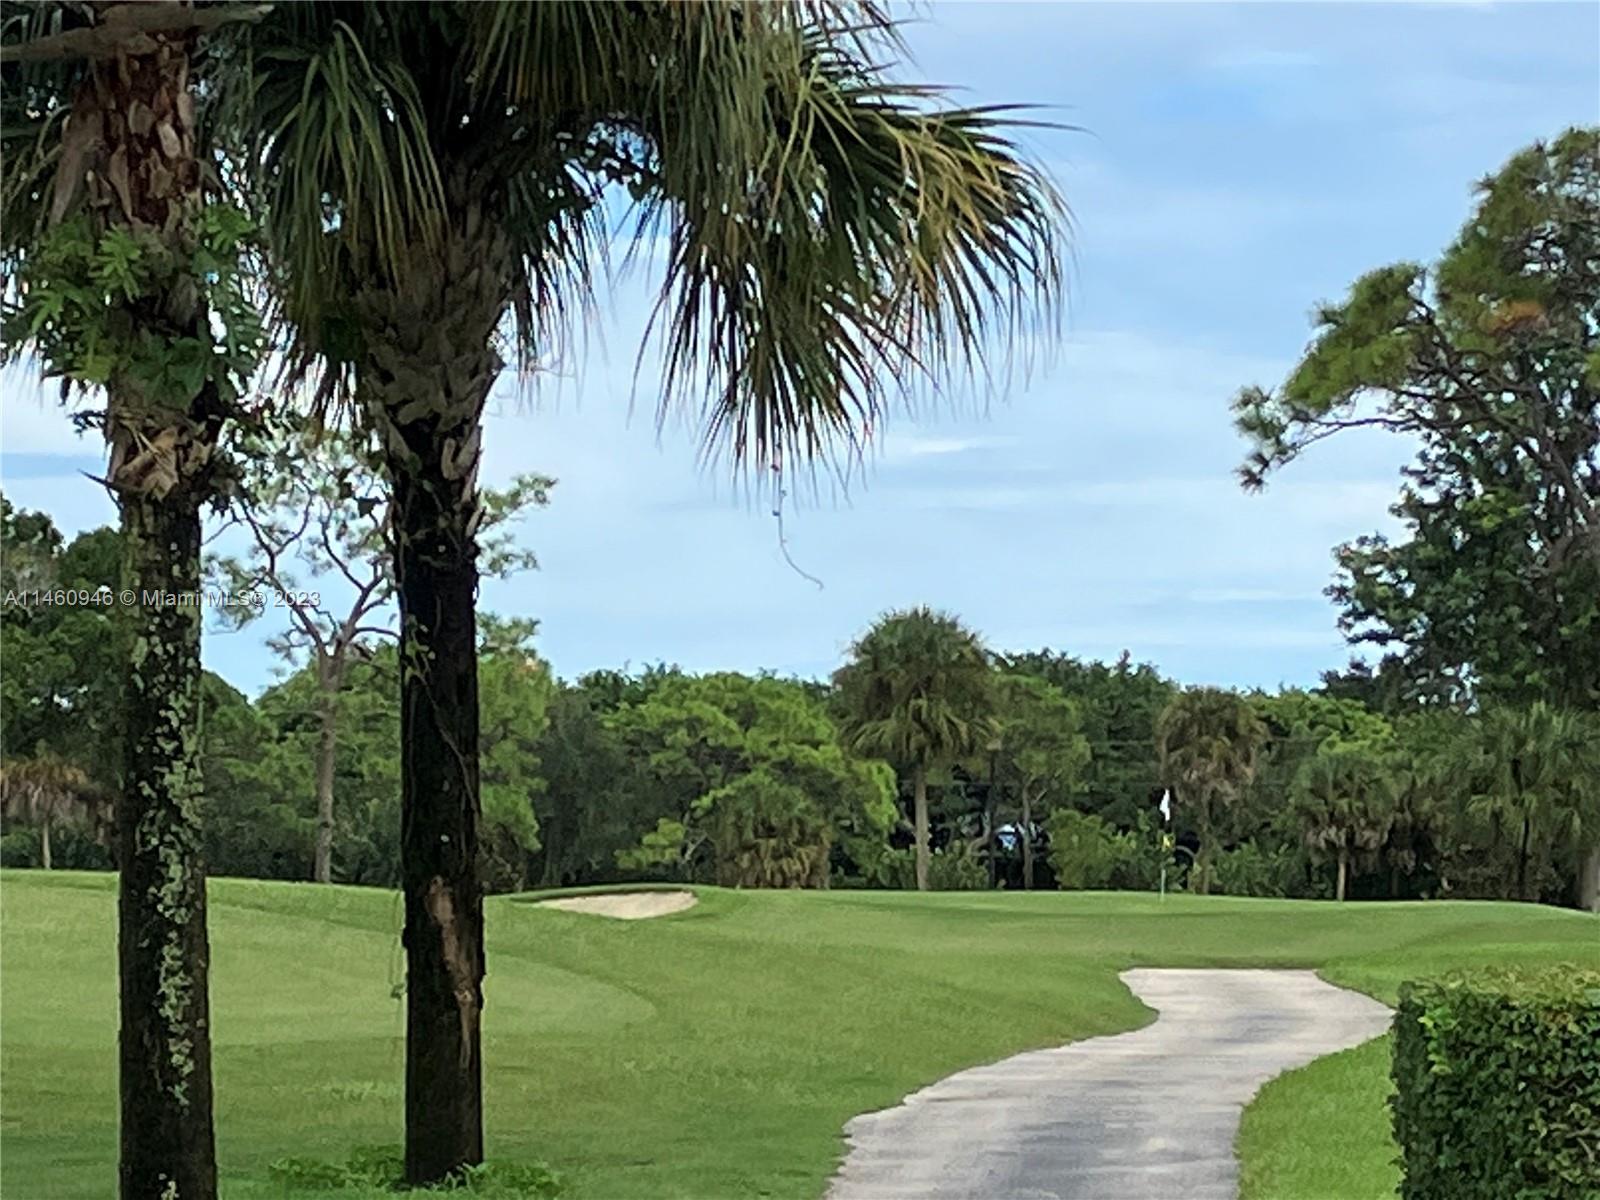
(714, 1053)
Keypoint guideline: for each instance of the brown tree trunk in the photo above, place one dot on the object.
(134, 123)
(44, 843)
(439, 850)
(1344, 868)
(327, 751)
(919, 804)
(1202, 860)
(1027, 841)
(168, 1149)
(1589, 881)
(428, 373)
(1522, 861)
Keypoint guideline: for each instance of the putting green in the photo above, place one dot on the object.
(716, 1052)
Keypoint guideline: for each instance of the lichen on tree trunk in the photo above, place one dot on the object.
(168, 1148)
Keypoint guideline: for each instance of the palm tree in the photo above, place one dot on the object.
(917, 691)
(1208, 741)
(1344, 797)
(119, 277)
(432, 176)
(1528, 775)
(47, 790)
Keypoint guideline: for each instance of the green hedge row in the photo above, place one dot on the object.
(1497, 1080)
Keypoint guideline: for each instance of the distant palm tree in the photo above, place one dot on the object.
(1344, 799)
(1529, 773)
(432, 176)
(47, 790)
(918, 691)
(1208, 742)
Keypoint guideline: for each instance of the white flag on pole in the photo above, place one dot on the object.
(1166, 804)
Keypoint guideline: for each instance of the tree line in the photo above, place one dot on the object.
(927, 760)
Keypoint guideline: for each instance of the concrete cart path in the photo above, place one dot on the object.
(1146, 1115)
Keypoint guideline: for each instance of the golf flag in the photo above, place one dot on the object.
(1166, 804)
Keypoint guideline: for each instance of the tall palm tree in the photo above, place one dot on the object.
(1209, 742)
(1344, 798)
(432, 176)
(918, 691)
(123, 281)
(48, 790)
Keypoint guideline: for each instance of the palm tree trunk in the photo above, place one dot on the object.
(428, 373)
(168, 1148)
(1344, 870)
(439, 852)
(162, 471)
(44, 843)
(1202, 860)
(327, 750)
(1589, 881)
(1522, 860)
(1027, 841)
(919, 803)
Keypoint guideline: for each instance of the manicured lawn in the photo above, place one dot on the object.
(713, 1053)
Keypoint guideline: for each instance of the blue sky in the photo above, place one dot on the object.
(1240, 163)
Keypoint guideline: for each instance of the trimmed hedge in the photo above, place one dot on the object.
(1497, 1078)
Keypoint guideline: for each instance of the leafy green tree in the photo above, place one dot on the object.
(1208, 743)
(1084, 850)
(1298, 725)
(430, 173)
(318, 552)
(1045, 754)
(514, 693)
(126, 282)
(1491, 362)
(256, 819)
(58, 688)
(1344, 799)
(1118, 704)
(587, 807)
(756, 785)
(918, 692)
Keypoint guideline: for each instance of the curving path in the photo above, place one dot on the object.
(1146, 1115)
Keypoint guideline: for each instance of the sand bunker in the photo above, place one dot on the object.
(625, 906)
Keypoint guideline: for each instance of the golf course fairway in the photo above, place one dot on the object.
(714, 1052)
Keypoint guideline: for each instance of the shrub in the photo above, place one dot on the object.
(1248, 870)
(1498, 1086)
(1085, 851)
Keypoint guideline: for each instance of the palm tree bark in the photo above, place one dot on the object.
(1202, 860)
(919, 804)
(137, 115)
(168, 1147)
(1344, 869)
(427, 375)
(327, 751)
(44, 843)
